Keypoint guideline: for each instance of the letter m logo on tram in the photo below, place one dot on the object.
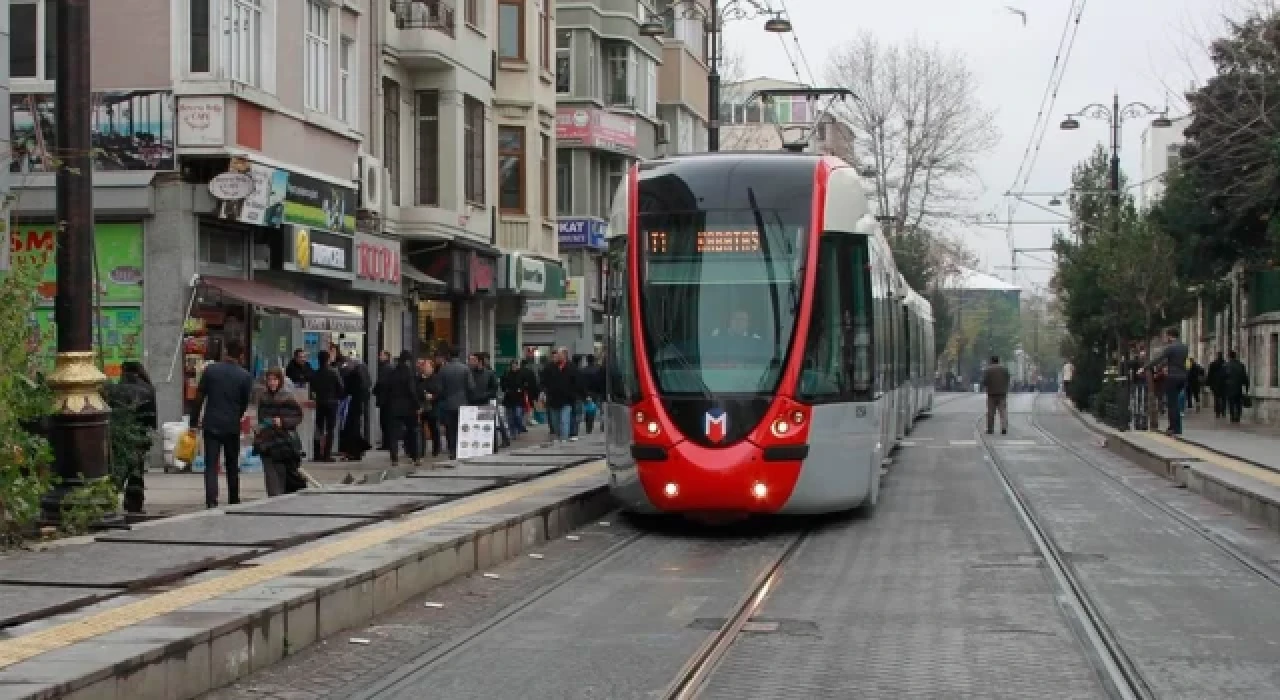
(717, 425)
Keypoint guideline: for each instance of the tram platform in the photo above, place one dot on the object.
(176, 607)
(1234, 466)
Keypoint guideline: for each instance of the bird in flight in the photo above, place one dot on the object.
(1020, 13)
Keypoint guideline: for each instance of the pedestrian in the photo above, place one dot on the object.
(379, 389)
(403, 402)
(1068, 372)
(1195, 385)
(1215, 378)
(428, 388)
(996, 379)
(357, 385)
(299, 371)
(560, 388)
(1174, 359)
(326, 391)
(514, 396)
(456, 388)
(222, 398)
(1235, 385)
(275, 440)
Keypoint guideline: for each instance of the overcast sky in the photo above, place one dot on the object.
(1143, 48)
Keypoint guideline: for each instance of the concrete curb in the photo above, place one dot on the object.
(1251, 498)
(213, 643)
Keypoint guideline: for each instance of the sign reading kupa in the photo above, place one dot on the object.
(581, 233)
(377, 264)
(316, 252)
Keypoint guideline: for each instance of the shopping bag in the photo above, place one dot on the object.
(185, 449)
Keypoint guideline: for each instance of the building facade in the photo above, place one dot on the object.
(1160, 152)
(231, 197)
(607, 117)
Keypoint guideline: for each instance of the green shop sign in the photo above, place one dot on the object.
(118, 328)
(118, 249)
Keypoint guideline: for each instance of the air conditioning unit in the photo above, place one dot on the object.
(373, 181)
(664, 132)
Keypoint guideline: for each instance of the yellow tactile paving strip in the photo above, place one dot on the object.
(1235, 465)
(63, 635)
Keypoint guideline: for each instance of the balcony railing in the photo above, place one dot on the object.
(424, 14)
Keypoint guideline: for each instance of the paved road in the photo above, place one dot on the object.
(940, 595)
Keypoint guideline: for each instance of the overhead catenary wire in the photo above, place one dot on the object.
(813, 80)
(1053, 98)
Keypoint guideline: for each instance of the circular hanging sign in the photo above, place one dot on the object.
(231, 186)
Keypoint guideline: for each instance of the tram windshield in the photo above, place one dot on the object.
(720, 291)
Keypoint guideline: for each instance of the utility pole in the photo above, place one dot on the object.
(80, 417)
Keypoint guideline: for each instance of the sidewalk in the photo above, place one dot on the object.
(1244, 441)
(175, 493)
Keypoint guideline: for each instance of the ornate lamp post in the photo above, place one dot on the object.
(1116, 116)
(713, 24)
(79, 423)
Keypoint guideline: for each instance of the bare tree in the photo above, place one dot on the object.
(922, 123)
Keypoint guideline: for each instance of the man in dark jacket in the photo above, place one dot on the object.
(456, 389)
(1174, 357)
(326, 392)
(222, 398)
(402, 402)
(995, 378)
(1215, 379)
(299, 370)
(1235, 384)
(560, 386)
(379, 390)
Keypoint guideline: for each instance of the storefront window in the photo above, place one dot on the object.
(435, 325)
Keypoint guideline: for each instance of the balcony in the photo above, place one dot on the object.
(424, 14)
(518, 234)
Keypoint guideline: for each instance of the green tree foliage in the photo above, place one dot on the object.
(1220, 203)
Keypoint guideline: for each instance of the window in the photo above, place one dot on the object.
(544, 42)
(316, 63)
(593, 70)
(616, 173)
(564, 184)
(428, 165)
(544, 173)
(511, 29)
(651, 88)
(564, 59)
(347, 81)
(471, 12)
(616, 60)
(242, 41)
(511, 169)
(198, 42)
(391, 136)
(32, 40)
(473, 150)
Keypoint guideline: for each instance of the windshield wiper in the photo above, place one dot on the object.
(670, 347)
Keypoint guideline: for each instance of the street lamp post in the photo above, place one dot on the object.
(78, 432)
(1116, 116)
(713, 22)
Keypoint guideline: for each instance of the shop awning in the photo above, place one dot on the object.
(315, 316)
(413, 274)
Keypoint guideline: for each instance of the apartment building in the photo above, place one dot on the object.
(756, 125)
(607, 117)
(231, 201)
(1161, 147)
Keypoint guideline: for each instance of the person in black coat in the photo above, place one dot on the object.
(560, 386)
(327, 392)
(356, 382)
(403, 404)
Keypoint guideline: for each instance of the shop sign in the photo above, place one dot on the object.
(528, 276)
(231, 186)
(316, 252)
(572, 309)
(581, 233)
(589, 127)
(131, 130)
(377, 264)
(280, 197)
(119, 259)
(119, 328)
(327, 324)
(202, 121)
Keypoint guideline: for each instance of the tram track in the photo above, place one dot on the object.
(1119, 675)
(1253, 564)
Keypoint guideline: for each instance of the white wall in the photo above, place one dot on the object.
(1156, 144)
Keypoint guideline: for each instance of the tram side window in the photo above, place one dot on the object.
(837, 361)
(620, 365)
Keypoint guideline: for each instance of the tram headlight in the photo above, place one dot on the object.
(759, 490)
(653, 427)
(797, 417)
(640, 417)
(671, 490)
(781, 427)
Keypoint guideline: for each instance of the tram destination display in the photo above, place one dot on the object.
(476, 428)
(706, 242)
